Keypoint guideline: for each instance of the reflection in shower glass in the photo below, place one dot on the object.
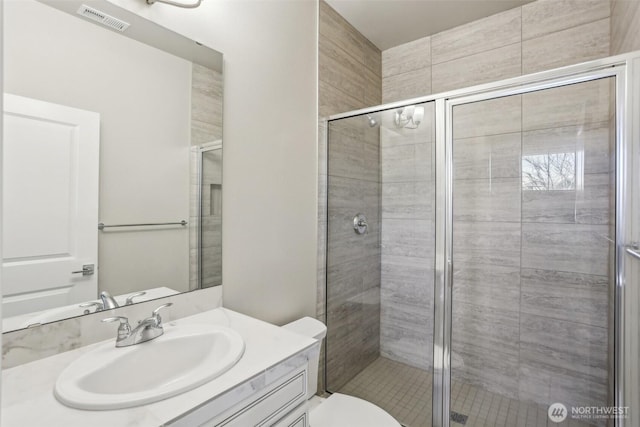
(549, 172)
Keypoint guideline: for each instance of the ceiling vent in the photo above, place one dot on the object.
(103, 18)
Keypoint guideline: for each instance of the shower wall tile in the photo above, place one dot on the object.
(391, 136)
(493, 117)
(340, 70)
(589, 205)
(202, 132)
(483, 67)
(487, 200)
(411, 84)
(590, 141)
(402, 163)
(408, 200)
(563, 344)
(411, 56)
(350, 156)
(542, 383)
(350, 66)
(406, 311)
(333, 101)
(372, 88)
(412, 346)
(489, 243)
(571, 46)
(344, 244)
(206, 105)
(548, 16)
(410, 238)
(580, 298)
(492, 286)
(566, 247)
(372, 57)
(482, 35)
(574, 105)
(625, 21)
(487, 157)
(478, 367)
(408, 279)
(488, 329)
(335, 29)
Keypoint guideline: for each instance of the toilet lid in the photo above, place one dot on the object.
(340, 410)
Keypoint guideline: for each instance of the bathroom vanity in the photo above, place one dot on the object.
(266, 387)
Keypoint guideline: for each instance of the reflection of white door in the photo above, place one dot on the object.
(50, 205)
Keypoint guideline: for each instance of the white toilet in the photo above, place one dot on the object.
(339, 410)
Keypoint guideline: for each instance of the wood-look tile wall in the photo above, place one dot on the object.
(538, 36)
(531, 267)
(408, 236)
(349, 78)
(625, 26)
(530, 309)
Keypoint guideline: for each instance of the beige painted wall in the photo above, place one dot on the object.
(270, 128)
(52, 56)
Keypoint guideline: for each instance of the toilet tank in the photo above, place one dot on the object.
(311, 328)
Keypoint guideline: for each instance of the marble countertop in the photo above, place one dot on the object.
(27, 390)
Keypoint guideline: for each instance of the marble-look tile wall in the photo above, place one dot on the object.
(538, 36)
(625, 26)
(349, 78)
(206, 126)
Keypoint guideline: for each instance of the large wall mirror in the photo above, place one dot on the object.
(112, 169)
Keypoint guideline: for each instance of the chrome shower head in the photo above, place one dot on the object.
(372, 121)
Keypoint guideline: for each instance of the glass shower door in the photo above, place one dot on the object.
(533, 233)
(380, 258)
(210, 218)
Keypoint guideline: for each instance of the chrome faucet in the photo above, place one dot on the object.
(146, 330)
(108, 302)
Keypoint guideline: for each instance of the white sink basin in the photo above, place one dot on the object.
(182, 359)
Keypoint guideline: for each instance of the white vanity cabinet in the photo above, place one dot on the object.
(266, 388)
(281, 403)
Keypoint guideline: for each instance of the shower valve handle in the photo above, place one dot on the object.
(360, 224)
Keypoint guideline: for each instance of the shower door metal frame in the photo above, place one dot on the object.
(625, 69)
(444, 222)
(201, 150)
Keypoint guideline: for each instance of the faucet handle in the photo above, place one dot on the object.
(124, 329)
(97, 305)
(130, 298)
(155, 313)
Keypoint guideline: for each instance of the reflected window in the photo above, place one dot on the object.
(549, 172)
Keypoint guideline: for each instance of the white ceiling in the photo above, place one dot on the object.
(389, 23)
